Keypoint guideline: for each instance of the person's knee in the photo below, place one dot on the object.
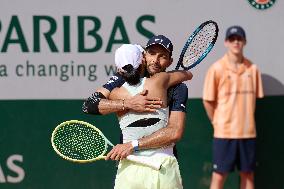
(219, 177)
(247, 175)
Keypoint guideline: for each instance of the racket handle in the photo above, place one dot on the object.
(145, 161)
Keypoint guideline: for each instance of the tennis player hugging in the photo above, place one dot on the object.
(132, 175)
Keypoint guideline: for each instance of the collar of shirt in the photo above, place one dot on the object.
(236, 69)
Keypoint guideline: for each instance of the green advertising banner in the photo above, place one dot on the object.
(27, 160)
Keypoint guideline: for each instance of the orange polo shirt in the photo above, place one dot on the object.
(235, 90)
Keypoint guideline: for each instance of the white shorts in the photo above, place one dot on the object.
(131, 175)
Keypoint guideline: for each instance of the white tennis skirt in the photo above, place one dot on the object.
(131, 175)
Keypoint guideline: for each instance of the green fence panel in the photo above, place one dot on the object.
(27, 160)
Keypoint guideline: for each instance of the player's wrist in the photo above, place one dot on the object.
(135, 145)
(127, 105)
(123, 104)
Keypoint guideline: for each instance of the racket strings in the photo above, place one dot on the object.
(199, 45)
(79, 142)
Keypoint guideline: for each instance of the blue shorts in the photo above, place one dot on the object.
(229, 154)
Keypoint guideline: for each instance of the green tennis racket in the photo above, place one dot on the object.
(81, 142)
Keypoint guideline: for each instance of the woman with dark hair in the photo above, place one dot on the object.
(129, 62)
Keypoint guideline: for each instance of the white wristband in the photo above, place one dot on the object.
(135, 145)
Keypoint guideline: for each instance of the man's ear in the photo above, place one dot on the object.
(144, 58)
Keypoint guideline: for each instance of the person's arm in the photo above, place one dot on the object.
(210, 91)
(99, 104)
(165, 136)
(178, 76)
(210, 108)
(174, 131)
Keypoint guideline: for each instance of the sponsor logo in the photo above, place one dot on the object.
(262, 4)
(41, 39)
(12, 166)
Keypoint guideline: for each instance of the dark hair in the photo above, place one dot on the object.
(131, 75)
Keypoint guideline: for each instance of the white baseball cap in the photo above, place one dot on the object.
(128, 54)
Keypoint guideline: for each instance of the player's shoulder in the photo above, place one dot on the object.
(116, 77)
(115, 81)
(178, 96)
(180, 88)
